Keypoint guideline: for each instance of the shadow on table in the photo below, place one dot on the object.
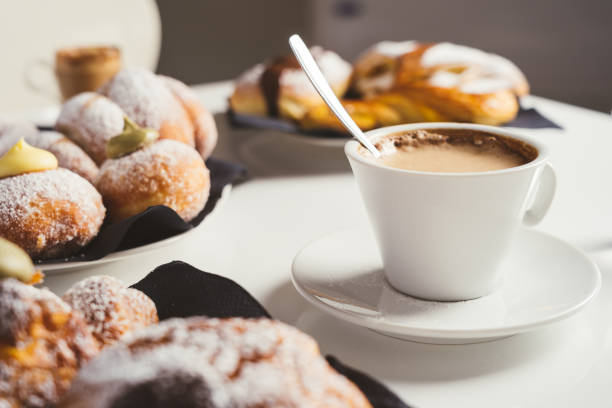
(285, 303)
(272, 153)
(596, 246)
(389, 359)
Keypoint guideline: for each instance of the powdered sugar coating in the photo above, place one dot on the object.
(489, 72)
(466, 69)
(49, 213)
(90, 120)
(336, 70)
(166, 172)
(42, 345)
(393, 48)
(16, 302)
(468, 84)
(69, 155)
(110, 308)
(228, 363)
(471, 82)
(44, 140)
(205, 128)
(148, 102)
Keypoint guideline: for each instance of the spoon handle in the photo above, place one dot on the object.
(317, 79)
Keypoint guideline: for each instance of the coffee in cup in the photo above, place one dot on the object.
(445, 201)
(452, 151)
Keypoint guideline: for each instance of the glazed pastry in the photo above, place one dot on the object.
(248, 97)
(69, 155)
(281, 88)
(43, 343)
(366, 114)
(418, 102)
(48, 211)
(396, 82)
(110, 308)
(163, 173)
(467, 70)
(403, 82)
(205, 129)
(199, 362)
(430, 82)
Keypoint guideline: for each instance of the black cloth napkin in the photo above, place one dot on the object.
(526, 118)
(158, 222)
(530, 118)
(180, 290)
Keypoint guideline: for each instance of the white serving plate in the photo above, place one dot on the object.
(59, 267)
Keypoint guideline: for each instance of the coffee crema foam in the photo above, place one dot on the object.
(450, 151)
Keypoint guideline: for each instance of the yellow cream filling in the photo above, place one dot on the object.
(23, 158)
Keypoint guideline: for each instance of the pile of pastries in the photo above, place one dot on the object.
(390, 83)
(141, 140)
(100, 345)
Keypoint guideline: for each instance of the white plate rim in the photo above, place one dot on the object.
(422, 333)
(128, 253)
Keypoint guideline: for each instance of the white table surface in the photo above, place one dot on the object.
(299, 192)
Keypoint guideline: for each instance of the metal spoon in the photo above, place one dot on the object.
(317, 79)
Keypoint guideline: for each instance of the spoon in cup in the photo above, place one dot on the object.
(317, 79)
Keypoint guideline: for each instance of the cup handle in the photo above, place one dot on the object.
(31, 73)
(544, 196)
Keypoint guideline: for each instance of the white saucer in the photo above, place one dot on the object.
(59, 267)
(546, 280)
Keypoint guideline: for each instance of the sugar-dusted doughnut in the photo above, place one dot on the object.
(110, 308)
(145, 99)
(51, 213)
(166, 172)
(69, 155)
(200, 362)
(91, 120)
(43, 343)
(205, 129)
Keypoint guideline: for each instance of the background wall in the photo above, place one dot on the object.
(563, 46)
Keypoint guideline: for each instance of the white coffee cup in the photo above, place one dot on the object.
(442, 236)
